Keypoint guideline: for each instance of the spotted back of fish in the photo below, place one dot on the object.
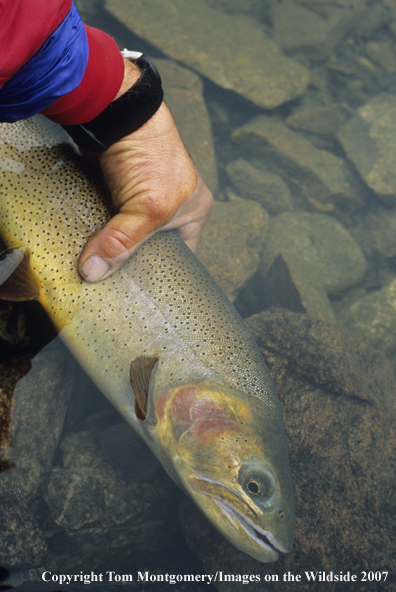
(163, 302)
(49, 205)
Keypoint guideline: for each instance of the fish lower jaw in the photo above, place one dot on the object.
(264, 538)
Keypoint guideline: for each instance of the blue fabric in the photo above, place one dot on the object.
(55, 70)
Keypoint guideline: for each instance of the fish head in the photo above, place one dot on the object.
(231, 458)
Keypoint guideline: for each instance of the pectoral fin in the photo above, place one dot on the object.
(17, 281)
(141, 373)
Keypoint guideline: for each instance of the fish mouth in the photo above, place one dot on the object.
(264, 538)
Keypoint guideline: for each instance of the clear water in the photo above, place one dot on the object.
(350, 65)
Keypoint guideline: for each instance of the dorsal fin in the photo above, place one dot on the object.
(17, 281)
(140, 374)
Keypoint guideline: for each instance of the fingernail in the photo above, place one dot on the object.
(94, 268)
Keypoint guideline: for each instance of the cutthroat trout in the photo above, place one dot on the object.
(159, 338)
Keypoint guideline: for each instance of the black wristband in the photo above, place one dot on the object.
(125, 115)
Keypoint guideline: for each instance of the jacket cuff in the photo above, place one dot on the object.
(99, 86)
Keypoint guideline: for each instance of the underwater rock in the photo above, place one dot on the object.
(5, 433)
(372, 318)
(232, 5)
(305, 258)
(376, 234)
(251, 65)
(22, 542)
(232, 241)
(322, 242)
(383, 53)
(183, 95)
(100, 519)
(323, 121)
(390, 5)
(369, 140)
(253, 183)
(287, 285)
(11, 370)
(88, 9)
(339, 409)
(371, 19)
(38, 411)
(322, 179)
(32, 417)
(312, 33)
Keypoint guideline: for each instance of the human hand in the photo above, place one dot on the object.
(154, 186)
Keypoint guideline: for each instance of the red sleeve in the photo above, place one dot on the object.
(101, 82)
(25, 25)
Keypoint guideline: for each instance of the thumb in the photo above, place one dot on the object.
(108, 248)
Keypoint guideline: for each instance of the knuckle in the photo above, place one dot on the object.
(159, 211)
(118, 241)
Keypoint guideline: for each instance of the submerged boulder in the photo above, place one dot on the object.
(22, 542)
(372, 318)
(232, 241)
(306, 258)
(198, 36)
(99, 518)
(324, 180)
(369, 140)
(38, 412)
(267, 189)
(313, 33)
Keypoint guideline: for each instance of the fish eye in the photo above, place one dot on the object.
(254, 486)
(258, 484)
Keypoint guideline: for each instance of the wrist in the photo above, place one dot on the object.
(131, 75)
(126, 114)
